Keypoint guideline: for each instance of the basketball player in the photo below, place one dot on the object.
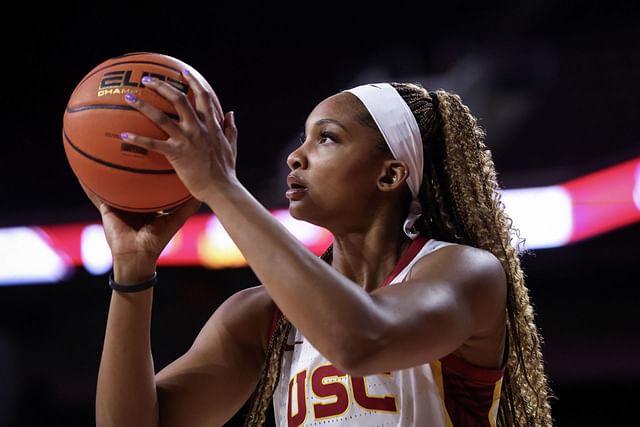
(418, 314)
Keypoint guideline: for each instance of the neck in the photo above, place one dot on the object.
(368, 258)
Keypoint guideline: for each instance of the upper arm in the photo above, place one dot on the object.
(215, 377)
(451, 295)
(475, 285)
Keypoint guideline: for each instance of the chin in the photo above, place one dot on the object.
(301, 214)
(296, 212)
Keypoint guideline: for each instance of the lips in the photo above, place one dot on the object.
(297, 187)
(295, 182)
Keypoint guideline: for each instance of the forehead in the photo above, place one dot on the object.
(342, 107)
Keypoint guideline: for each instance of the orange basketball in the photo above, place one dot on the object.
(124, 175)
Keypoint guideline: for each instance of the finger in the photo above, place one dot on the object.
(157, 116)
(93, 197)
(177, 98)
(199, 84)
(100, 204)
(188, 208)
(230, 130)
(180, 214)
(158, 145)
(207, 102)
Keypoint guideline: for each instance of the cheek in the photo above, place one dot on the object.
(344, 185)
(350, 176)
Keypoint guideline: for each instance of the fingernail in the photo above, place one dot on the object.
(124, 135)
(130, 97)
(186, 72)
(147, 79)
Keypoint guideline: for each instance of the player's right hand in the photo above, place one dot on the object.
(140, 237)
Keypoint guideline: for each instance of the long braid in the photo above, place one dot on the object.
(270, 374)
(461, 199)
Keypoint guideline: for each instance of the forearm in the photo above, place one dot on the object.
(126, 391)
(325, 305)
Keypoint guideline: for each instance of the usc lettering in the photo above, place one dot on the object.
(325, 384)
(299, 381)
(331, 387)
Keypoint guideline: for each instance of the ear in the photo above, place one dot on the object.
(392, 175)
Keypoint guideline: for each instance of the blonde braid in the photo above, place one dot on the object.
(461, 199)
(269, 375)
(273, 363)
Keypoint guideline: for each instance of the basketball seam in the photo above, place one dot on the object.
(114, 165)
(129, 62)
(72, 110)
(168, 205)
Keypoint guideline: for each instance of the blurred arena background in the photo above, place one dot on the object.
(555, 85)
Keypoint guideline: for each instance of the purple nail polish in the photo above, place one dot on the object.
(186, 72)
(147, 79)
(130, 97)
(124, 135)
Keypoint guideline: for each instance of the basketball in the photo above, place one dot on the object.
(124, 175)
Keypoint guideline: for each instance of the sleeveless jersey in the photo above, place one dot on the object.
(444, 393)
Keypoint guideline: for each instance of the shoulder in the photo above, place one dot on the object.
(253, 297)
(246, 315)
(460, 261)
(474, 275)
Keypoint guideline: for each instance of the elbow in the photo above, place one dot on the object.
(357, 355)
(105, 421)
(102, 421)
(106, 418)
(355, 367)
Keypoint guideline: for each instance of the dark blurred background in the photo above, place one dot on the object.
(553, 83)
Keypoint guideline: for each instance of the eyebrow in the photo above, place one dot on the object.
(331, 121)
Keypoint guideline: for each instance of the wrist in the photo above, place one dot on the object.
(133, 269)
(222, 191)
(135, 287)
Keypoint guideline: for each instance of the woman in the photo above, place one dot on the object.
(417, 315)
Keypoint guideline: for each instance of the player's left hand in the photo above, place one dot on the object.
(202, 143)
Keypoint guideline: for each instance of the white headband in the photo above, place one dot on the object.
(402, 134)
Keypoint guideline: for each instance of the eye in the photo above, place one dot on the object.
(302, 138)
(326, 136)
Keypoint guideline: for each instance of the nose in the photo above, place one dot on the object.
(297, 159)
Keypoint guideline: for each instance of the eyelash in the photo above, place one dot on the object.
(328, 135)
(323, 135)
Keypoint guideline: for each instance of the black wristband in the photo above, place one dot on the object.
(133, 288)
